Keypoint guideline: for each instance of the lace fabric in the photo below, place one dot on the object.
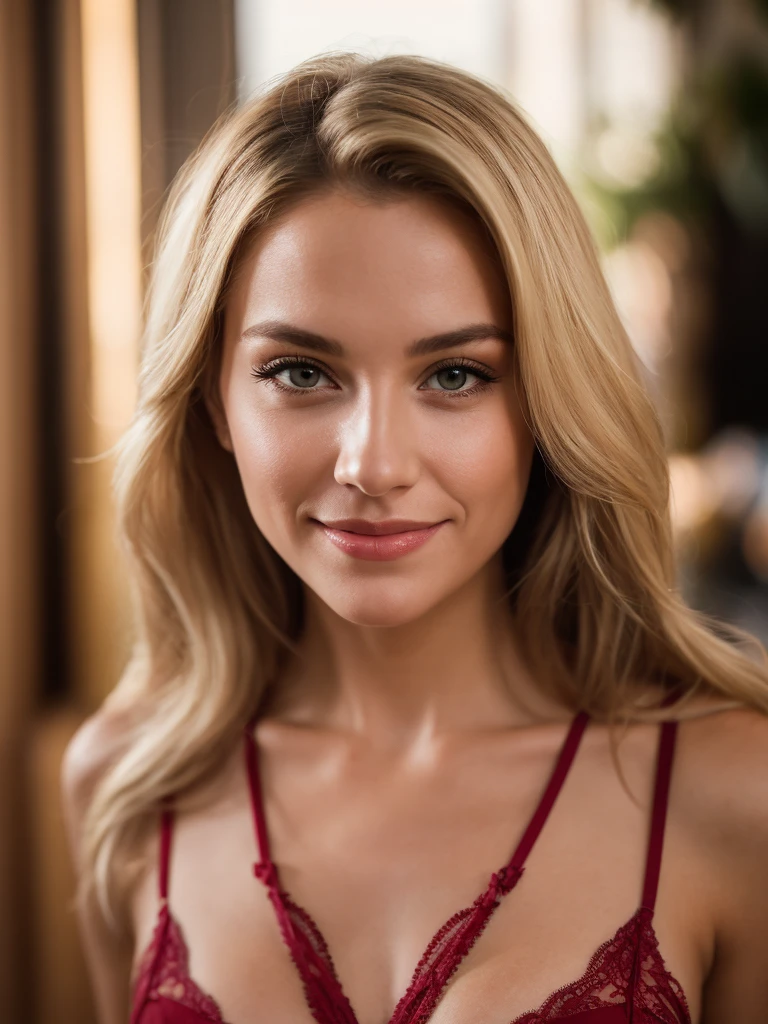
(625, 979)
(448, 947)
(163, 972)
(626, 970)
(658, 997)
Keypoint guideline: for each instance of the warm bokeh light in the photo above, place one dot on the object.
(113, 206)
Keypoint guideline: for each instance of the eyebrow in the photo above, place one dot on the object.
(279, 330)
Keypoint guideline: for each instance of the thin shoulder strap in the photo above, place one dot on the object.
(666, 750)
(166, 833)
(563, 763)
(556, 780)
(254, 781)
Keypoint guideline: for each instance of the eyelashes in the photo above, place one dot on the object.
(268, 373)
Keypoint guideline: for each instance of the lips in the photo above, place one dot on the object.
(377, 528)
(380, 541)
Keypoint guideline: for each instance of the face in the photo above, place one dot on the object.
(367, 375)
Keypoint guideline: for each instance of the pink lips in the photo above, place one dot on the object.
(378, 541)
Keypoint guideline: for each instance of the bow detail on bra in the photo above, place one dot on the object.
(502, 882)
(626, 979)
(266, 873)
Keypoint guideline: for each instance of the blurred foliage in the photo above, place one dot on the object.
(680, 185)
(711, 147)
(680, 9)
(677, 8)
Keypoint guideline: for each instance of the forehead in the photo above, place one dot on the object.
(418, 258)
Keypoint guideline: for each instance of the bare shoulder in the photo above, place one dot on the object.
(89, 753)
(722, 771)
(720, 795)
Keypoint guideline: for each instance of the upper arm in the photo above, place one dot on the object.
(108, 958)
(734, 784)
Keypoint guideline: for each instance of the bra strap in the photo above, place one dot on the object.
(563, 763)
(257, 805)
(166, 832)
(666, 749)
(559, 772)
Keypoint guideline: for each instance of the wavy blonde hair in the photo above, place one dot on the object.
(592, 586)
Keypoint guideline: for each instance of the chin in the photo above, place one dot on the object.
(379, 605)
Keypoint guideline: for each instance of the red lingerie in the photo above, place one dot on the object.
(625, 980)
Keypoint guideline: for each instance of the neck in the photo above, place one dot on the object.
(455, 669)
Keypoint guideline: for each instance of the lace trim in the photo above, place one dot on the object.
(611, 979)
(322, 988)
(450, 944)
(656, 995)
(163, 971)
(448, 948)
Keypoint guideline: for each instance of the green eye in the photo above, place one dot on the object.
(452, 377)
(303, 376)
(296, 374)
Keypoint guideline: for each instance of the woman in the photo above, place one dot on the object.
(395, 502)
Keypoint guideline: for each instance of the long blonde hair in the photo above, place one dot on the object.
(216, 609)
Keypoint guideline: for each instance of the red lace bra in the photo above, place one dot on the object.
(626, 978)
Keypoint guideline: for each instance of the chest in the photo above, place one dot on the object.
(380, 869)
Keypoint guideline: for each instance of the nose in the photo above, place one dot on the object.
(378, 447)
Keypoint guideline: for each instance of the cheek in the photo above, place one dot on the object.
(486, 463)
(279, 460)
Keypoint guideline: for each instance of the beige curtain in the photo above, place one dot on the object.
(132, 88)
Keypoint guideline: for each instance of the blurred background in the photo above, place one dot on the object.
(657, 113)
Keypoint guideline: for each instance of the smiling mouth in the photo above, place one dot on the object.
(378, 542)
(380, 527)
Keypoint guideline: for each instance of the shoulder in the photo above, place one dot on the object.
(89, 753)
(720, 797)
(91, 750)
(722, 773)
(716, 850)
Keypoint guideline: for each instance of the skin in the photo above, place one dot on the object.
(406, 746)
(383, 436)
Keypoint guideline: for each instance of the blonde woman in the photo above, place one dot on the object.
(417, 726)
